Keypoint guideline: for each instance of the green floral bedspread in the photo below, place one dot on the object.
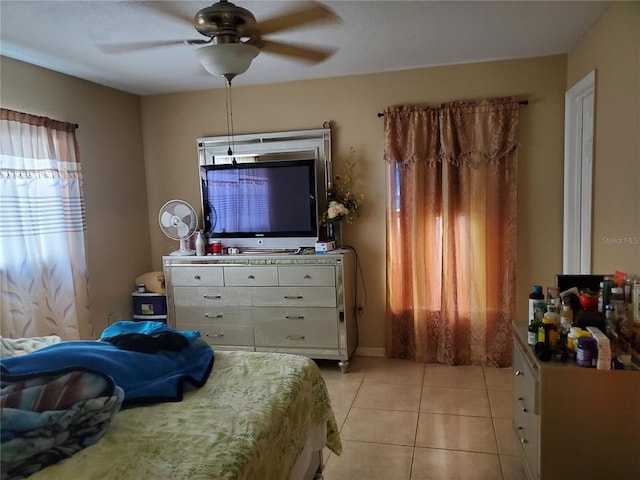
(250, 421)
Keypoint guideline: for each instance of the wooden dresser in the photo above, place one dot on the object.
(574, 422)
(302, 304)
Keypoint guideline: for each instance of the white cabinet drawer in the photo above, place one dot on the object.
(210, 296)
(218, 326)
(291, 327)
(213, 314)
(294, 296)
(307, 275)
(201, 275)
(223, 334)
(248, 276)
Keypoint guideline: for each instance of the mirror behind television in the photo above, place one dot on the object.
(269, 193)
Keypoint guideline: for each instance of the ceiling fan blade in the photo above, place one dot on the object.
(295, 51)
(135, 46)
(172, 10)
(310, 13)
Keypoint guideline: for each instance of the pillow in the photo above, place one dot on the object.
(153, 281)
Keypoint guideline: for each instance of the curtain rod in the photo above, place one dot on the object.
(522, 102)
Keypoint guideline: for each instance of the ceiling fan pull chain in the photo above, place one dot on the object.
(233, 144)
(227, 98)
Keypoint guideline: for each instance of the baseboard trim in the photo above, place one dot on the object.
(370, 352)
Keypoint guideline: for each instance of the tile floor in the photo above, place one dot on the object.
(401, 420)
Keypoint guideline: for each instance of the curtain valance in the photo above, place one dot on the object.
(36, 120)
(32, 141)
(460, 132)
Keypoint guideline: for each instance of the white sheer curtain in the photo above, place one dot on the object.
(43, 273)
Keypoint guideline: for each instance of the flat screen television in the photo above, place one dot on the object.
(262, 205)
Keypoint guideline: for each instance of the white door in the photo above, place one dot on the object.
(578, 176)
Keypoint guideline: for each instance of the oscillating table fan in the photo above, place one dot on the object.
(178, 221)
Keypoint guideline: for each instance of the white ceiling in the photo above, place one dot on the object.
(374, 36)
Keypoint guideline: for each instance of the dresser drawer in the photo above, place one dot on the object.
(294, 296)
(237, 334)
(210, 296)
(307, 275)
(213, 315)
(206, 275)
(296, 327)
(248, 276)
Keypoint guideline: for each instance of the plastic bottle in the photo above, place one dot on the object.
(608, 284)
(617, 300)
(532, 332)
(552, 312)
(611, 321)
(572, 338)
(635, 302)
(200, 250)
(566, 317)
(548, 331)
(587, 352)
(628, 287)
(537, 305)
(601, 305)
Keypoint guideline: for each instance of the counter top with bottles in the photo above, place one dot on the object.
(520, 335)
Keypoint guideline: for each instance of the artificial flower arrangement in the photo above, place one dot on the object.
(344, 203)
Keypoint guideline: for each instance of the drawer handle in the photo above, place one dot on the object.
(212, 297)
(295, 337)
(215, 335)
(520, 431)
(307, 276)
(290, 317)
(522, 407)
(293, 297)
(213, 315)
(197, 277)
(250, 277)
(519, 373)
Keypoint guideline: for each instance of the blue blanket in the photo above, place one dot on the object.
(162, 376)
(61, 398)
(48, 418)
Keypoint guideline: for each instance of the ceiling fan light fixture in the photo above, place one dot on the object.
(226, 59)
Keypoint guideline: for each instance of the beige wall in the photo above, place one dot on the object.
(171, 124)
(612, 49)
(110, 140)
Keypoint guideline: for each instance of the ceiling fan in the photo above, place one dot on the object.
(234, 37)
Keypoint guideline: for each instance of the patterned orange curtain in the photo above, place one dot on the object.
(451, 231)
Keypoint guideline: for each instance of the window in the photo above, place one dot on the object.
(43, 274)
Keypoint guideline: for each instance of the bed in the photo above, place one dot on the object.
(258, 416)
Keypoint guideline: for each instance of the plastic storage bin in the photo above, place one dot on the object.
(149, 306)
